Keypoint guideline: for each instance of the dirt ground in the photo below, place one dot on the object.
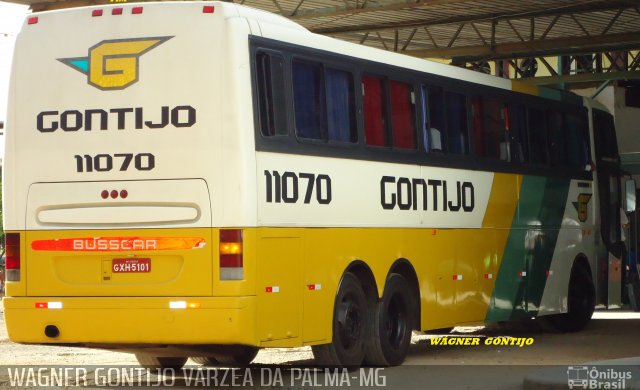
(610, 335)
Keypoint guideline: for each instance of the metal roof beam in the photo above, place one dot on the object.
(582, 78)
(581, 8)
(555, 46)
(385, 6)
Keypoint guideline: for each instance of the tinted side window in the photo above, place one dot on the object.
(375, 116)
(556, 139)
(538, 137)
(604, 134)
(578, 150)
(457, 130)
(518, 133)
(270, 90)
(489, 123)
(308, 100)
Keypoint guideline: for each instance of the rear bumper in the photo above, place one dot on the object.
(219, 320)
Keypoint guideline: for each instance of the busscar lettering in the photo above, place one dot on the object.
(105, 244)
(405, 193)
(116, 118)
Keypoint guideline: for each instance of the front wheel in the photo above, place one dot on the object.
(350, 327)
(392, 322)
(581, 302)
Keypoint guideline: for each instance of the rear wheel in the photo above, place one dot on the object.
(393, 318)
(150, 361)
(581, 302)
(350, 327)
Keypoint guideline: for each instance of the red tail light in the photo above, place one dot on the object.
(231, 254)
(12, 247)
(12, 251)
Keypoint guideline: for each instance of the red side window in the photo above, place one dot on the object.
(402, 116)
(374, 115)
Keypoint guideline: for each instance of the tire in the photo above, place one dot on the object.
(581, 302)
(393, 318)
(242, 358)
(150, 361)
(209, 361)
(350, 317)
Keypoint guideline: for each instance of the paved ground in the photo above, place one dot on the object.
(610, 335)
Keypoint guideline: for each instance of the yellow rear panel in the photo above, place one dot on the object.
(88, 270)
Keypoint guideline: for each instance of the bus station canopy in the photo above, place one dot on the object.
(462, 30)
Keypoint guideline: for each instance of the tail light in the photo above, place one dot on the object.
(231, 262)
(12, 251)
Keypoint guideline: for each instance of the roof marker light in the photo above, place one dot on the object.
(208, 9)
(32, 20)
(136, 10)
(124, 194)
(116, 11)
(114, 194)
(96, 12)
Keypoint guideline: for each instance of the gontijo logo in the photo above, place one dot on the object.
(113, 64)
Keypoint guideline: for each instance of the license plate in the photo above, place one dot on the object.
(137, 265)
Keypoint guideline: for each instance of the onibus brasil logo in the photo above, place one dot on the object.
(113, 64)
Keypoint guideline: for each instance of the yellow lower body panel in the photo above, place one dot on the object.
(217, 320)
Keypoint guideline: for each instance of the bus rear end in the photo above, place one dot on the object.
(115, 173)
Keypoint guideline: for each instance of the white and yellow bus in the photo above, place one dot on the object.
(204, 179)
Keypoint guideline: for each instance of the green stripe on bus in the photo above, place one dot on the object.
(529, 248)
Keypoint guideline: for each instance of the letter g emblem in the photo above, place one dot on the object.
(114, 64)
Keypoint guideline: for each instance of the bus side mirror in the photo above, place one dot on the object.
(630, 196)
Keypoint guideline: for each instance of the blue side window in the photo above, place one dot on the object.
(340, 106)
(309, 100)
